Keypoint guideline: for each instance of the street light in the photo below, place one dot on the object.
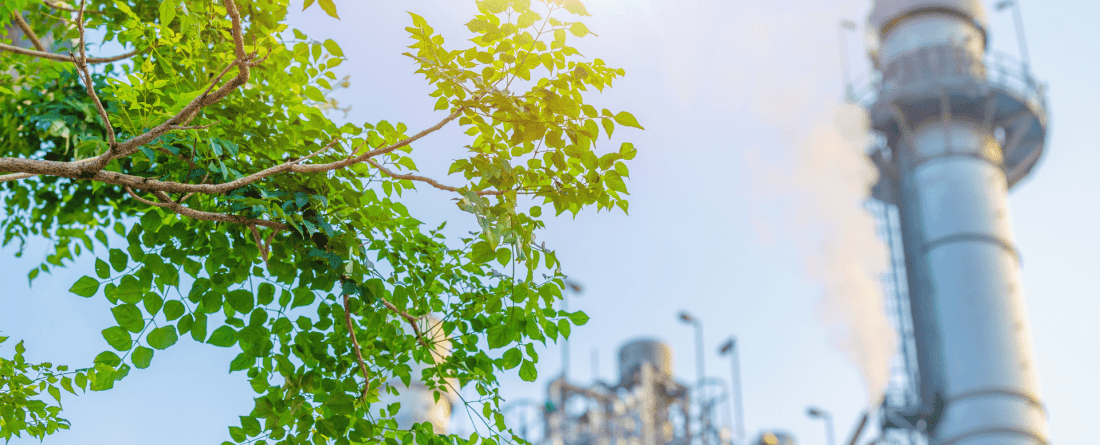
(849, 25)
(730, 348)
(819, 413)
(699, 361)
(1019, 18)
(577, 289)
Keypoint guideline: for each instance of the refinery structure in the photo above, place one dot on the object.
(957, 130)
(955, 127)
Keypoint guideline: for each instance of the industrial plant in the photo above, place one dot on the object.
(955, 126)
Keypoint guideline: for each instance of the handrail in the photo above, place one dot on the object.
(929, 62)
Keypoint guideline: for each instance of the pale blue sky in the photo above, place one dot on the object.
(718, 85)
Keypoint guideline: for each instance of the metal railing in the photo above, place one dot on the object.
(939, 62)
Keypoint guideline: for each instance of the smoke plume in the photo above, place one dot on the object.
(813, 186)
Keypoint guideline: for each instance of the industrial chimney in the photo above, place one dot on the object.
(960, 129)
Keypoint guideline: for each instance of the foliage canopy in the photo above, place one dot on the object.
(253, 220)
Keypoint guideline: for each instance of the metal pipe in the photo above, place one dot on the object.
(730, 348)
(700, 364)
(858, 431)
(845, 24)
(819, 413)
(978, 379)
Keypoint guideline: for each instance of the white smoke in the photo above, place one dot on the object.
(781, 60)
(821, 188)
(819, 184)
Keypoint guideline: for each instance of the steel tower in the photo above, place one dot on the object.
(958, 129)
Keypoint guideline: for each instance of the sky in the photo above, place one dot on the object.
(730, 217)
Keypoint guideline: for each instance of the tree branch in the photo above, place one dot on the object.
(408, 318)
(73, 170)
(64, 57)
(167, 203)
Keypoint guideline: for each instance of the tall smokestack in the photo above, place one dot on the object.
(960, 132)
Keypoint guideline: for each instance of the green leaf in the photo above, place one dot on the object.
(85, 287)
(108, 358)
(118, 338)
(153, 302)
(241, 300)
(141, 357)
(614, 182)
(527, 371)
(129, 290)
(306, 5)
(627, 119)
(578, 29)
(499, 336)
(627, 151)
(329, 8)
(129, 317)
(265, 294)
(102, 270)
(511, 358)
(167, 11)
(198, 328)
(250, 425)
(578, 318)
(162, 337)
(118, 259)
(224, 337)
(173, 309)
(575, 7)
(504, 256)
(333, 48)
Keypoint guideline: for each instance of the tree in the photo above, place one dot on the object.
(253, 220)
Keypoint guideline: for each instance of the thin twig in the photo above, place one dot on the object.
(87, 77)
(27, 31)
(167, 203)
(190, 127)
(355, 346)
(430, 181)
(64, 7)
(16, 176)
(408, 318)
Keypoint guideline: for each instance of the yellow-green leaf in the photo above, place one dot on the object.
(627, 119)
(329, 7)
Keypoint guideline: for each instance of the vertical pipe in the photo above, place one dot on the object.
(736, 359)
(565, 341)
(1020, 37)
(700, 371)
(978, 380)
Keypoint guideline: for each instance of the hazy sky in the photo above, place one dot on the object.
(727, 216)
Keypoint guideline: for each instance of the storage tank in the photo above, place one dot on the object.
(633, 354)
(418, 400)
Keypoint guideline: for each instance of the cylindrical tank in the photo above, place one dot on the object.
(951, 176)
(417, 400)
(775, 438)
(633, 354)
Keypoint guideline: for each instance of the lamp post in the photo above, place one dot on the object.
(577, 289)
(700, 368)
(730, 349)
(848, 25)
(819, 413)
(1019, 19)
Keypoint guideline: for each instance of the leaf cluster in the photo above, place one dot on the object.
(259, 223)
